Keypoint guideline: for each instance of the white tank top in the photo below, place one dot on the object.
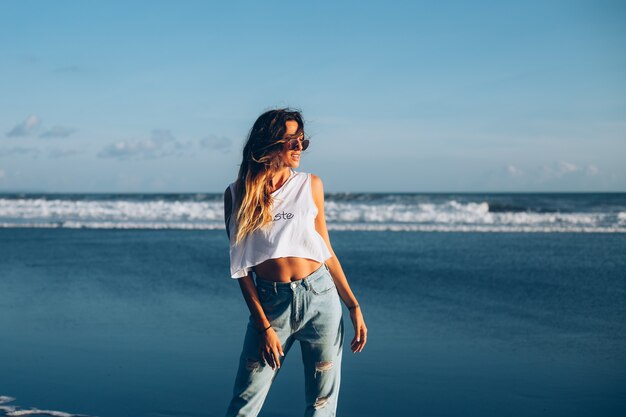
(292, 232)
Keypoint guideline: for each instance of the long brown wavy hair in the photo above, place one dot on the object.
(261, 160)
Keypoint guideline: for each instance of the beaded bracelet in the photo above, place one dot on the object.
(354, 306)
(264, 330)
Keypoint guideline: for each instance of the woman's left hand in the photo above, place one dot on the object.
(360, 331)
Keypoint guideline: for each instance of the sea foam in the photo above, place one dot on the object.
(14, 411)
(364, 212)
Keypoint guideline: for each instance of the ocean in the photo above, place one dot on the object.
(594, 213)
(476, 304)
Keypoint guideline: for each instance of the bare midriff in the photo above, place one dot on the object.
(286, 269)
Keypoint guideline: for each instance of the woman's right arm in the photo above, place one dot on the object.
(250, 294)
(270, 346)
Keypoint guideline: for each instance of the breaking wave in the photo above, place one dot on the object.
(365, 212)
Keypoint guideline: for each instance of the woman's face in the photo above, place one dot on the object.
(291, 157)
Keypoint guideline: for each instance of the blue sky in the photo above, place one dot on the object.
(156, 96)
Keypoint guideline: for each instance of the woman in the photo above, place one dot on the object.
(275, 222)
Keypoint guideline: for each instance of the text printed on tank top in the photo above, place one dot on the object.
(283, 216)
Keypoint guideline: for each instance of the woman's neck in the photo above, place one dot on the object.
(280, 177)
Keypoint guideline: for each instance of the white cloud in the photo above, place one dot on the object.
(20, 150)
(57, 132)
(124, 149)
(514, 171)
(26, 127)
(222, 144)
(557, 175)
(161, 143)
(592, 170)
(565, 168)
(557, 170)
(36, 152)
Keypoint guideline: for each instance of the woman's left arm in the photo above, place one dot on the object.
(341, 282)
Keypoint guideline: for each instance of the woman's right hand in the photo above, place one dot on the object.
(270, 348)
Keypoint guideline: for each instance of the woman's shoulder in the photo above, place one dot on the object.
(316, 181)
(317, 186)
(307, 174)
(314, 178)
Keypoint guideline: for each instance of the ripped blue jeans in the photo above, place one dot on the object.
(307, 310)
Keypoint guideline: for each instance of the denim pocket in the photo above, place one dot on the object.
(322, 285)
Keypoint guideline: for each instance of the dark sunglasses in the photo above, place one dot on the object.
(292, 144)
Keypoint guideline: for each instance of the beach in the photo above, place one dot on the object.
(115, 323)
(464, 155)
